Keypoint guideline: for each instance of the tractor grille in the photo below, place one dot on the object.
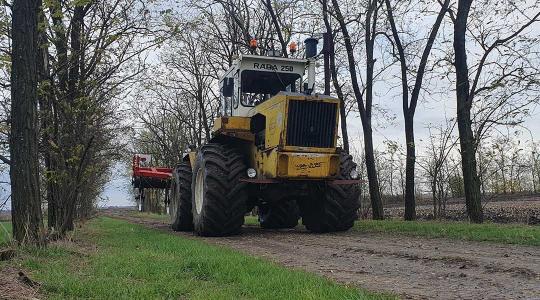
(311, 124)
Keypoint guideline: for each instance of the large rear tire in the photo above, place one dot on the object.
(333, 207)
(279, 215)
(219, 197)
(180, 206)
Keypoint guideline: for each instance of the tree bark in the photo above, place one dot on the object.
(373, 182)
(464, 104)
(24, 172)
(374, 189)
(410, 201)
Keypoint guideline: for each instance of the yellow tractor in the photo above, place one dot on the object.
(274, 147)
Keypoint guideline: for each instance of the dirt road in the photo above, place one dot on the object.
(409, 267)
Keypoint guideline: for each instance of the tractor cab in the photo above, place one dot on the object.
(253, 79)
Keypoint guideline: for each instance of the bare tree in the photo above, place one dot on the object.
(436, 165)
(364, 98)
(410, 103)
(467, 91)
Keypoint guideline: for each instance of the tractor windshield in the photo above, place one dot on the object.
(257, 86)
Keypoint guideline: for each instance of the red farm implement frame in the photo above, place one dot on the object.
(146, 177)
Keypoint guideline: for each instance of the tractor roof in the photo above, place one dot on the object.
(267, 63)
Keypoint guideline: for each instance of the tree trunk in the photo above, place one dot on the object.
(464, 104)
(24, 169)
(410, 108)
(374, 191)
(434, 195)
(410, 202)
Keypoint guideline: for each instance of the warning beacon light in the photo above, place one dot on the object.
(253, 44)
(293, 47)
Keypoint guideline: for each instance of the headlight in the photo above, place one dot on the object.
(354, 173)
(251, 173)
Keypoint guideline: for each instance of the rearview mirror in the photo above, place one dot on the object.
(228, 87)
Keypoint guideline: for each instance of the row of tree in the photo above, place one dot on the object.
(70, 63)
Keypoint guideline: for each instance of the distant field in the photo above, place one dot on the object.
(523, 209)
(5, 216)
(499, 233)
(115, 259)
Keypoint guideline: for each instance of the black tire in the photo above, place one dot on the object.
(333, 207)
(180, 207)
(223, 196)
(284, 214)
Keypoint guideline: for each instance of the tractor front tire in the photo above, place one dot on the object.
(279, 215)
(180, 206)
(333, 207)
(219, 197)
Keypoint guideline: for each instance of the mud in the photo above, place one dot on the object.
(412, 268)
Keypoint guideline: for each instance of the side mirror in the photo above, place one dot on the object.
(228, 87)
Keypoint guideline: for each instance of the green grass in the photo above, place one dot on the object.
(116, 259)
(499, 233)
(5, 232)
(487, 232)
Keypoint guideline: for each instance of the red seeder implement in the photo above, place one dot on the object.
(150, 177)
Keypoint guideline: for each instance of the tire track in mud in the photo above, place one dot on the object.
(413, 268)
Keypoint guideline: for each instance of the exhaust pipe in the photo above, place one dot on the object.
(311, 53)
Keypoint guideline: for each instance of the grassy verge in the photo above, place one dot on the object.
(499, 233)
(115, 259)
(489, 232)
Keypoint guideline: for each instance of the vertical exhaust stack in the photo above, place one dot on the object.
(327, 48)
(311, 53)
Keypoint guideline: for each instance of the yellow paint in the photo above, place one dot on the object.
(276, 164)
(224, 124)
(237, 127)
(192, 158)
(309, 149)
(275, 111)
(278, 160)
